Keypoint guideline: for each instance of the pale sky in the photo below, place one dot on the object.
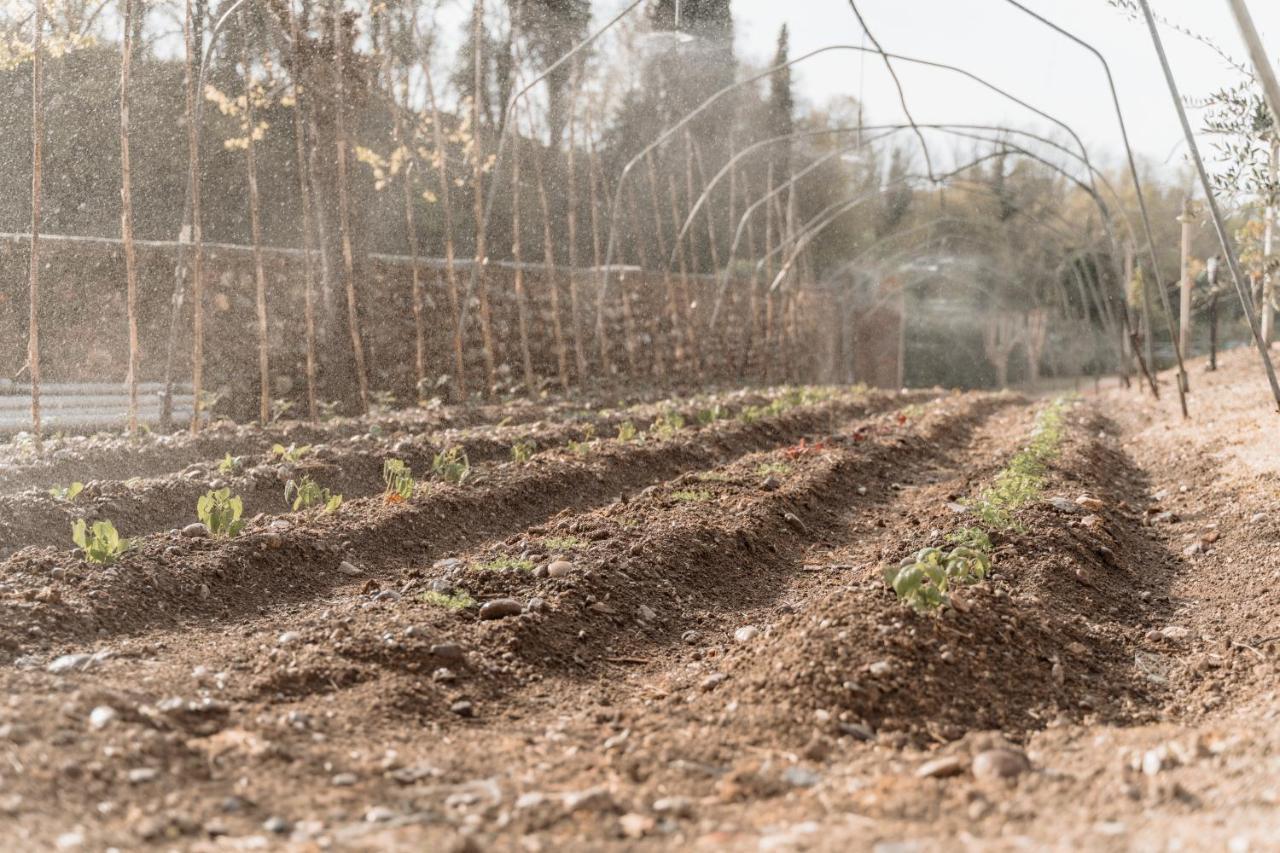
(995, 40)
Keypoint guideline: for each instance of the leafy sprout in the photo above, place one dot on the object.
(451, 465)
(666, 425)
(449, 601)
(522, 452)
(627, 432)
(307, 493)
(292, 453)
(229, 464)
(101, 544)
(66, 493)
(399, 479)
(220, 512)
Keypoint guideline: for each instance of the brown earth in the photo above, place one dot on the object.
(699, 651)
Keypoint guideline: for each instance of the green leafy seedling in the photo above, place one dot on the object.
(399, 480)
(307, 493)
(451, 465)
(229, 464)
(101, 544)
(692, 495)
(220, 512)
(498, 564)
(627, 432)
(666, 425)
(563, 543)
(522, 452)
(454, 601)
(66, 493)
(292, 453)
(711, 415)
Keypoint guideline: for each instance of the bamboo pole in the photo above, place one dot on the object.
(549, 261)
(37, 168)
(450, 268)
(593, 169)
(410, 225)
(1188, 221)
(309, 241)
(126, 216)
(255, 235)
(477, 177)
(680, 307)
(667, 280)
(522, 308)
(571, 216)
(192, 51)
(1268, 246)
(344, 208)
(654, 317)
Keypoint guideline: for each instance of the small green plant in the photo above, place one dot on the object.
(666, 425)
(307, 493)
(220, 512)
(328, 409)
(522, 452)
(66, 493)
(711, 415)
(292, 453)
(229, 464)
(971, 537)
(692, 496)
(399, 480)
(449, 601)
(925, 580)
(776, 469)
(627, 432)
(101, 544)
(383, 400)
(1020, 482)
(451, 465)
(280, 409)
(715, 477)
(563, 543)
(498, 564)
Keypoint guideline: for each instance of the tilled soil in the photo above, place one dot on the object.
(682, 642)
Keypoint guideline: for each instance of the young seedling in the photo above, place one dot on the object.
(498, 564)
(711, 415)
(399, 480)
(692, 495)
(449, 601)
(229, 464)
(101, 544)
(451, 466)
(522, 452)
(666, 425)
(774, 469)
(563, 543)
(925, 579)
(627, 432)
(306, 493)
(292, 453)
(66, 493)
(220, 512)
(280, 409)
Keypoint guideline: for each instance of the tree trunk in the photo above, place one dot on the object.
(255, 234)
(37, 168)
(126, 216)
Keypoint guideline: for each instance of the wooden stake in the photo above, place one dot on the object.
(37, 167)
(309, 241)
(255, 235)
(522, 308)
(549, 263)
(126, 217)
(192, 58)
(477, 177)
(1189, 221)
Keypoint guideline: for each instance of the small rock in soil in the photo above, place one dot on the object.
(1066, 505)
(141, 775)
(1166, 517)
(379, 814)
(500, 608)
(1000, 764)
(1194, 548)
(447, 652)
(1175, 632)
(463, 708)
(195, 531)
(771, 484)
(67, 663)
(288, 638)
(674, 806)
(446, 564)
(800, 777)
(746, 633)
(646, 613)
(276, 825)
(880, 667)
(344, 780)
(714, 680)
(691, 637)
(1090, 503)
(636, 825)
(348, 569)
(559, 569)
(593, 799)
(940, 768)
(102, 716)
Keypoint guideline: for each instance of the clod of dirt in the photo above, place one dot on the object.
(195, 531)
(500, 608)
(348, 569)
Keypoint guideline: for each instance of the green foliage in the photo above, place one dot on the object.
(563, 543)
(627, 432)
(666, 425)
(307, 493)
(692, 496)
(451, 465)
(229, 464)
(292, 453)
(66, 493)
(220, 512)
(1020, 482)
(280, 409)
(101, 544)
(522, 452)
(925, 580)
(399, 480)
(715, 477)
(328, 409)
(498, 564)
(711, 415)
(971, 537)
(777, 469)
(454, 601)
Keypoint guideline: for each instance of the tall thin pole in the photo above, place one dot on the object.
(477, 177)
(255, 235)
(126, 216)
(308, 241)
(1228, 248)
(1266, 74)
(37, 165)
(1268, 244)
(1188, 220)
(344, 208)
(189, 25)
